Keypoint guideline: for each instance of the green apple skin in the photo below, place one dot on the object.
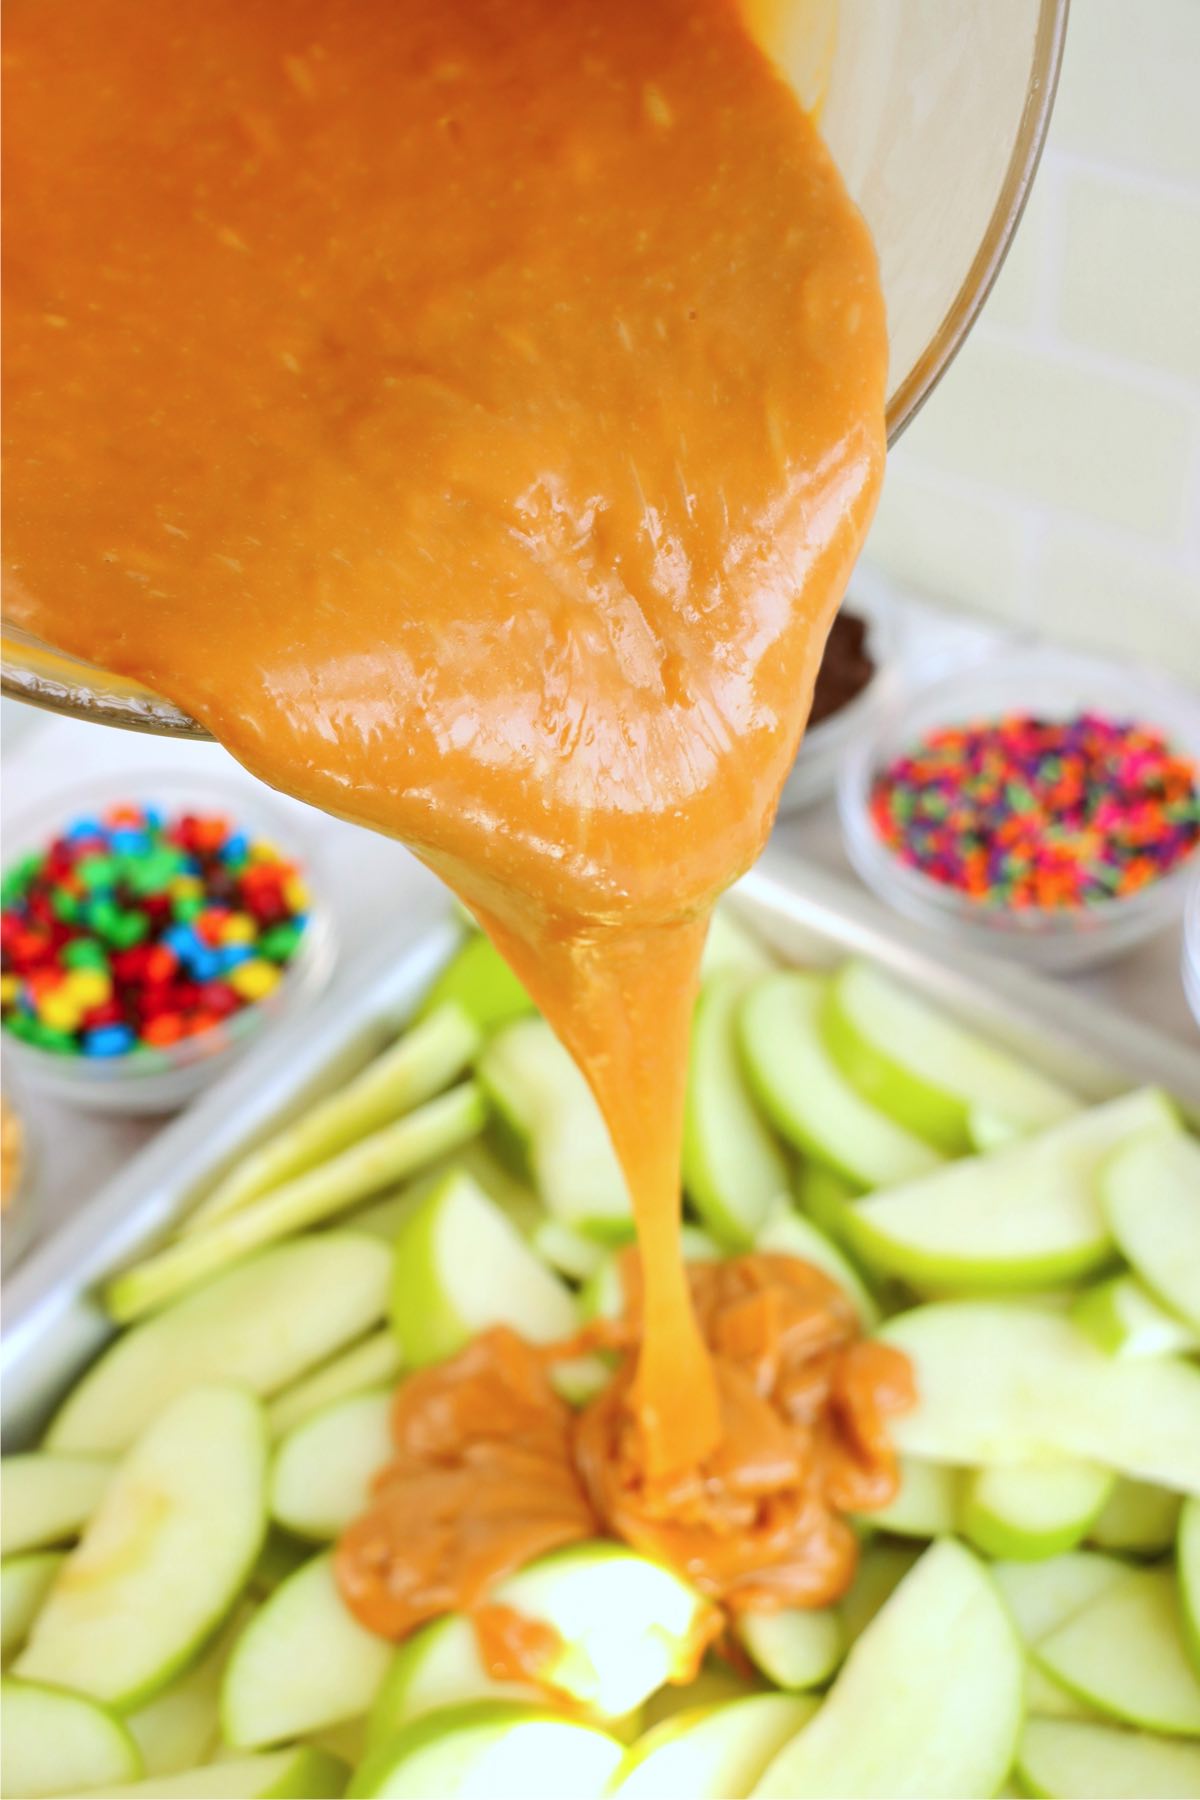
(481, 982)
(733, 1167)
(1061, 1759)
(712, 1752)
(1151, 1195)
(1124, 1319)
(564, 1757)
(929, 1702)
(1124, 1654)
(1035, 1512)
(923, 1068)
(24, 1583)
(56, 1742)
(1187, 1559)
(460, 1266)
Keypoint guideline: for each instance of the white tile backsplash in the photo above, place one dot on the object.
(1054, 476)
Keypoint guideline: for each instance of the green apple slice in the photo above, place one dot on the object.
(927, 1504)
(731, 948)
(388, 1155)
(1025, 1217)
(1187, 1559)
(1138, 1517)
(492, 1750)
(1000, 1384)
(733, 1168)
(1047, 1699)
(301, 1664)
(1041, 1596)
(439, 1665)
(414, 1069)
(797, 1648)
(806, 1097)
(262, 1324)
(823, 1196)
(715, 1683)
(991, 1131)
(24, 1583)
(164, 1556)
(929, 1700)
(624, 1623)
(460, 1267)
(551, 1112)
(568, 1252)
(1028, 1513)
(478, 980)
(1125, 1320)
(711, 1752)
(46, 1498)
(181, 1727)
(52, 1742)
(322, 1472)
(787, 1232)
(926, 1069)
(881, 1569)
(371, 1363)
(1073, 1760)
(299, 1773)
(1151, 1194)
(1124, 1654)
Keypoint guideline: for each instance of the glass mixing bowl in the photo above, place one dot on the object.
(936, 114)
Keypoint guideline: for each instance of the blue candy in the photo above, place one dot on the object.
(235, 848)
(184, 941)
(205, 964)
(129, 841)
(108, 1040)
(84, 828)
(231, 955)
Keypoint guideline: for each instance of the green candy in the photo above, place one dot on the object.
(128, 929)
(85, 953)
(17, 882)
(189, 908)
(97, 872)
(278, 944)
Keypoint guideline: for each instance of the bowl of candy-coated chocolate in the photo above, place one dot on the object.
(149, 930)
(1033, 803)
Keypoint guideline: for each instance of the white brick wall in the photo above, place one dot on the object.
(1054, 477)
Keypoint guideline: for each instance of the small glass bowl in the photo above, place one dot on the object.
(1055, 684)
(1191, 945)
(154, 1080)
(814, 774)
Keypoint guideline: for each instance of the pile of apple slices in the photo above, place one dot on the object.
(1026, 1611)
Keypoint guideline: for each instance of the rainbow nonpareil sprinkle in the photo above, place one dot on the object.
(1027, 812)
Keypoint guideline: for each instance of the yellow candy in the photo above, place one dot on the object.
(253, 980)
(59, 1010)
(88, 987)
(10, 989)
(186, 887)
(296, 894)
(262, 851)
(239, 928)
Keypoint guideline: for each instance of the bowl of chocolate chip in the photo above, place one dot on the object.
(858, 670)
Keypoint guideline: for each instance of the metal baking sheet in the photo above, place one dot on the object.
(52, 1327)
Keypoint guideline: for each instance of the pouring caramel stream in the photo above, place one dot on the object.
(471, 413)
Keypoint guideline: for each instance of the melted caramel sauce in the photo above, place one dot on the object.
(492, 1468)
(471, 413)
